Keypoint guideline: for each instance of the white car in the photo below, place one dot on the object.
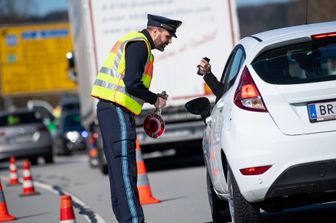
(270, 139)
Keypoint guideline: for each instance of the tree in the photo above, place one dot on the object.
(12, 11)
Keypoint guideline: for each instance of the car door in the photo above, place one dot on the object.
(217, 120)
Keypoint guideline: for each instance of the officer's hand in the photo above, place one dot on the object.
(205, 67)
(163, 95)
(160, 102)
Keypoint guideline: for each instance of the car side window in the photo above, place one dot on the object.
(236, 65)
(227, 67)
(233, 66)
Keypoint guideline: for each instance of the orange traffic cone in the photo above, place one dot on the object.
(13, 176)
(4, 215)
(144, 189)
(28, 185)
(67, 214)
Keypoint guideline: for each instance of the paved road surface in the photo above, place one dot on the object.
(179, 183)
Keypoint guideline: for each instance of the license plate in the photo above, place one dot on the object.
(21, 139)
(322, 111)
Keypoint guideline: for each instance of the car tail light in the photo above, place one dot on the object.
(42, 129)
(255, 170)
(95, 136)
(247, 95)
(91, 140)
(93, 152)
(323, 35)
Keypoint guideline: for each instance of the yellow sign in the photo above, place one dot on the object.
(32, 59)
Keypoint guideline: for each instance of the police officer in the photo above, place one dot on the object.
(122, 87)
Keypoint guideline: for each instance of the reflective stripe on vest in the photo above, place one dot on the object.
(109, 84)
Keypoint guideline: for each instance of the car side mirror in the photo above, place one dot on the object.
(199, 106)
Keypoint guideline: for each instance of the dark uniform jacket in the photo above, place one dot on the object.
(136, 57)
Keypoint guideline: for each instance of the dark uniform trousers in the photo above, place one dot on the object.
(117, 126)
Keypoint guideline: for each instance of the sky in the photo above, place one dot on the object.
(45, 6)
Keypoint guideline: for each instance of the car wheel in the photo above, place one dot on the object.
(34, 160)
(49, 158)
(102, 162)
(219, 208)
(241, 210)
(60, 148)
(63, 151)
(104, 169)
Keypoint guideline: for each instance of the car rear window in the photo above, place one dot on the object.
(70, 106)
(72, 120)
(307, 62)
(18, 119)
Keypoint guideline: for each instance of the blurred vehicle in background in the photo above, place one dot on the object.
(69, 102)
(23, 135)
(92, 34)
(93, 150)
(71, 135)
(72, 73)
(45, 111)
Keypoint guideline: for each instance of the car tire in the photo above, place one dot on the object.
(49, 158)
(60, 149)
(102, 162)
(34, 161)
(219, 208)
(241, 210)
(103, 169)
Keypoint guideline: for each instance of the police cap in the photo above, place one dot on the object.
(168, 24)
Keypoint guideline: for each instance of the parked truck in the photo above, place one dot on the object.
(209, 28)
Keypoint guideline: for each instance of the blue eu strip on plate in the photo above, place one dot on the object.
(312, 112)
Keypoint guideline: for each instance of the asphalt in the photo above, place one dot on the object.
(41, 208)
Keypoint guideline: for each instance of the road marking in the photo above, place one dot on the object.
(84, 210)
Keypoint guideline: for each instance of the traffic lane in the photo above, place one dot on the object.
(322, 213)
(41, 208)
(319, 213)
(53, 178)
(177, 188)
(178, 182)
(74, 175)
(183, 195)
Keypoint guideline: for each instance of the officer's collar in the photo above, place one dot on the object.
(148, 36)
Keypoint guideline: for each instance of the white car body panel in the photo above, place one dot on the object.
(281, 139)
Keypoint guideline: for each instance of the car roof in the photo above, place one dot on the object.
(71, 112)
(260, 42)
(299, 31)
(69, 99)
(16, 111)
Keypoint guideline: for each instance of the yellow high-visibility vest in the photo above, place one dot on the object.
(109, 84)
